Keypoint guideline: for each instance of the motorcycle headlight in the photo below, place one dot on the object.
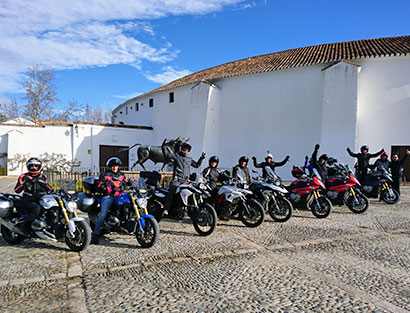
(142, 203)
(71, 206)
(202, 187)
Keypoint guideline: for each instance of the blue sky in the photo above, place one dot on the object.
(105, 51)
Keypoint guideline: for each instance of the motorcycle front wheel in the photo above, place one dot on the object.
(81, 238)
(320, 207)
(281, 211)
(151, 233)
(357, 203)
(205, 220)
(253, 214)
(389, 196)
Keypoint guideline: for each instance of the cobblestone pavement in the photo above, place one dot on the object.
(344, 263)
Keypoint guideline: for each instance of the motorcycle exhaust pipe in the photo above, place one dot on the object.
(44, 236)
(11, 227)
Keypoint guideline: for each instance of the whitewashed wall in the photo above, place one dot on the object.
(72, 141)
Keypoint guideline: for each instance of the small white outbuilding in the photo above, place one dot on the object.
(338, 95)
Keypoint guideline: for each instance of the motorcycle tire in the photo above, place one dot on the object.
(150, 235)
(11, 237)
(206, 222)
(256, 214)
(389, 198)
(282, 212)
(324, 208)
(355, 207)
(82, 237)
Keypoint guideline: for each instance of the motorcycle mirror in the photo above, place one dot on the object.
(254, 171)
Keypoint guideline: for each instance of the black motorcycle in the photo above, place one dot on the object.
(378, 184)
(128, 214)
(190, 198)
(271, 193)
(58, 220)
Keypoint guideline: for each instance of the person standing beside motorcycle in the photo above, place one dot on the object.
(382, 164)
(111, 184)
(35, 185)
(396, 167)
(320, 165)
(363, 160)
(242, 166)
(181, 170)
(269, 162)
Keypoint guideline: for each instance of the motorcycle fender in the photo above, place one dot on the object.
(71, 224)
(142, 219)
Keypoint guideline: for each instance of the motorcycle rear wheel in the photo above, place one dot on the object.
(82, 237)
(357, 205)
(389, 198)
(205, 223)
(155, 209)
(282, 212)
(11, 237)
(150, 235)
(320, 208)
(256, 214)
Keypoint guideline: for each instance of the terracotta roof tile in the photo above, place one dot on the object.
(319, 54)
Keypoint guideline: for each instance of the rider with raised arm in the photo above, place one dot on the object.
(320, 164)
(269, 162)
(363, 160)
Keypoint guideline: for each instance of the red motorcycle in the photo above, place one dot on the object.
(309, 192)
(344, 189)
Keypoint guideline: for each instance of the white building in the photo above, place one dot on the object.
(338, 95)
(90, 144)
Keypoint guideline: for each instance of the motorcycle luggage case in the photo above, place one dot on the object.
(85, 203)
(6, 206)
(152, 178)
(90, 184)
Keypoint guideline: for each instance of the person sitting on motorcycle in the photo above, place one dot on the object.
(331, 167)
(181, 170)
(320, 165)
(381, 164)
(212, 173)
(396, 168)
(34, 185)
(363, 161)
(111, 183)
(242, 165)
(269, 162)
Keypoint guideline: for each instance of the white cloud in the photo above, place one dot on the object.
(169, 74)
(129, 96)
(86, 33)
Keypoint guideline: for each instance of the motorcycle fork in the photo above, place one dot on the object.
(317, 196)
(64, 210)
(137, 214)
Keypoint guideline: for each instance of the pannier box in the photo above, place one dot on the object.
(152, 178)
(90, 184)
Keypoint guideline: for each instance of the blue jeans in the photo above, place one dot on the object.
(106, 203)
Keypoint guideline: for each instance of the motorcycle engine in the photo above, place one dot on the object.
(113, 221)
(332, 194)
(224, 209)
(294, 197)
(367, 188)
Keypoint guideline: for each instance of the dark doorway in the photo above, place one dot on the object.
(107, 152)
(401, 151)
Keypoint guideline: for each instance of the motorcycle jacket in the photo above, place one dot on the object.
(182, 164)
(245, 170)
(363, 159)
(111, 183)
(397, 166)
(381, 165)
(34, 187)
(212, 176)
(272, 165)
(320, 167)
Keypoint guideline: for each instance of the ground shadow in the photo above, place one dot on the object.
(178, 233)
(33, 243)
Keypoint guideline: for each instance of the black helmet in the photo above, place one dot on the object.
(323, 157)
(243, 159)
(364, 148)
(185, 148)
(331, 160)
(34, 166)
(213, 158)
(114, 161)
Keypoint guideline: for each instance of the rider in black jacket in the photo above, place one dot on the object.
(34, 185)
(396, 167)
(320, 165)
(212, 173)
(269, 162)
(181, 171)
(363, 160)
(242, 165)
